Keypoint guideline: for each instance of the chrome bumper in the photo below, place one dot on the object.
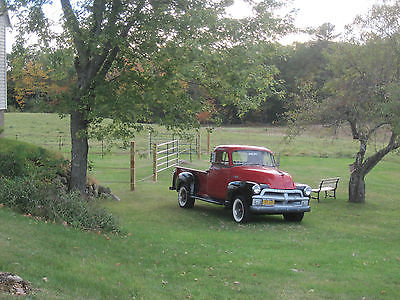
(274, 201)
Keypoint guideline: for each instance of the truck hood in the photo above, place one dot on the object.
(275, 178)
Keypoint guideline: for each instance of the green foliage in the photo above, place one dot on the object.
(133, 60)
(27, 184)
(24, 194)
(20, 159)
(12, 165)
(361, 91)
(38, 80)
(30, 196)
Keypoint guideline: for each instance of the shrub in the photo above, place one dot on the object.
(28, 185)
(71, 209)
(20, 159)
(29, 195)
(12, 165)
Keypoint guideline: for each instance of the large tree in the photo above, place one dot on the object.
(364, 91)
(134, 60)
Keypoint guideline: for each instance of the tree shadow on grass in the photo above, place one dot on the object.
(206, 212)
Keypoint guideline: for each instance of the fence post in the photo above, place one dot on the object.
(102, 147)
(133, 164)
(198, 145)
(149, 142)
(208, 140)
(155, 162)
(177, 152)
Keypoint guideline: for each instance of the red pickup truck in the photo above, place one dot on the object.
(245, 179)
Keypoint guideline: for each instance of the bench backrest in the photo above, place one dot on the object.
(329, 182)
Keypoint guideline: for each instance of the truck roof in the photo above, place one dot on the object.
(230, 148)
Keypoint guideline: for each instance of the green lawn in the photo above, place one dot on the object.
(339, 251)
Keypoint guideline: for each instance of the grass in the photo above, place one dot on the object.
(339, 251)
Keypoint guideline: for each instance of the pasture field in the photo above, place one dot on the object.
(339, 250)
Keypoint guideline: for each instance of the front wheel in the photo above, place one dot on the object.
(293, 217)
(184, 199)
(240, 210)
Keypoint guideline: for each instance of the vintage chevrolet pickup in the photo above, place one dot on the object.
(245, 179)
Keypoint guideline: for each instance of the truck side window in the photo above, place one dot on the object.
(225, 159)
(221, 158)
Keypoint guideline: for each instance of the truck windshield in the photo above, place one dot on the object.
(253, 157)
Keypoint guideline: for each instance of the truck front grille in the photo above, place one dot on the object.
(280, 197)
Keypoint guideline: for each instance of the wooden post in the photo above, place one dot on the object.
(208, 141)
(198, 145)
(133, 165)
(149, 140)
(155, 162)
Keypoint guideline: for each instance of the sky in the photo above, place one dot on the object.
(313, 13)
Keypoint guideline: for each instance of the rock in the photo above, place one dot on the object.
(114, 197)
(104, 190)
(13, 284)
(95, 190)
(15, 278)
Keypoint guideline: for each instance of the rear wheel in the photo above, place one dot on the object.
(184, 199)
(240, 210)
(293, 217)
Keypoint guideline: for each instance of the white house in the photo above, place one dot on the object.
(4, 23)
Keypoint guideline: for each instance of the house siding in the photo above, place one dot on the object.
(3, 62)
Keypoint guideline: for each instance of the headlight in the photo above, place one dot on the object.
(256, 189)
(307, 191)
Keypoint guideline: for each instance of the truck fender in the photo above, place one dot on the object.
(187, 179)
(243, 188)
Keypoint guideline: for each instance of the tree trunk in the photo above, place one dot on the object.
(79, 152)
(357, 187)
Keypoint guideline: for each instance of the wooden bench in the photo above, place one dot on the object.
(329, 186)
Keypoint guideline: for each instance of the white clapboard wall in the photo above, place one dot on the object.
(4, 23)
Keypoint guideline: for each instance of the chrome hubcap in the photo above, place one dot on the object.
(182, 196)
(238, 210)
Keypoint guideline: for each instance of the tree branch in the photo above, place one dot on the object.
(98, 11)
(376, 128)
(73, 26)
(354, 130)
(372, 161)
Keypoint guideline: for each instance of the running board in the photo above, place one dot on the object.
(208, 200)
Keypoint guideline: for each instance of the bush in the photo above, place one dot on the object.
(12, 165)
(29, 195)
(28, 185)
(23, 160)
(71, 209)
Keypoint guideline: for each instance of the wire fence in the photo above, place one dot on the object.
(112, 164)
